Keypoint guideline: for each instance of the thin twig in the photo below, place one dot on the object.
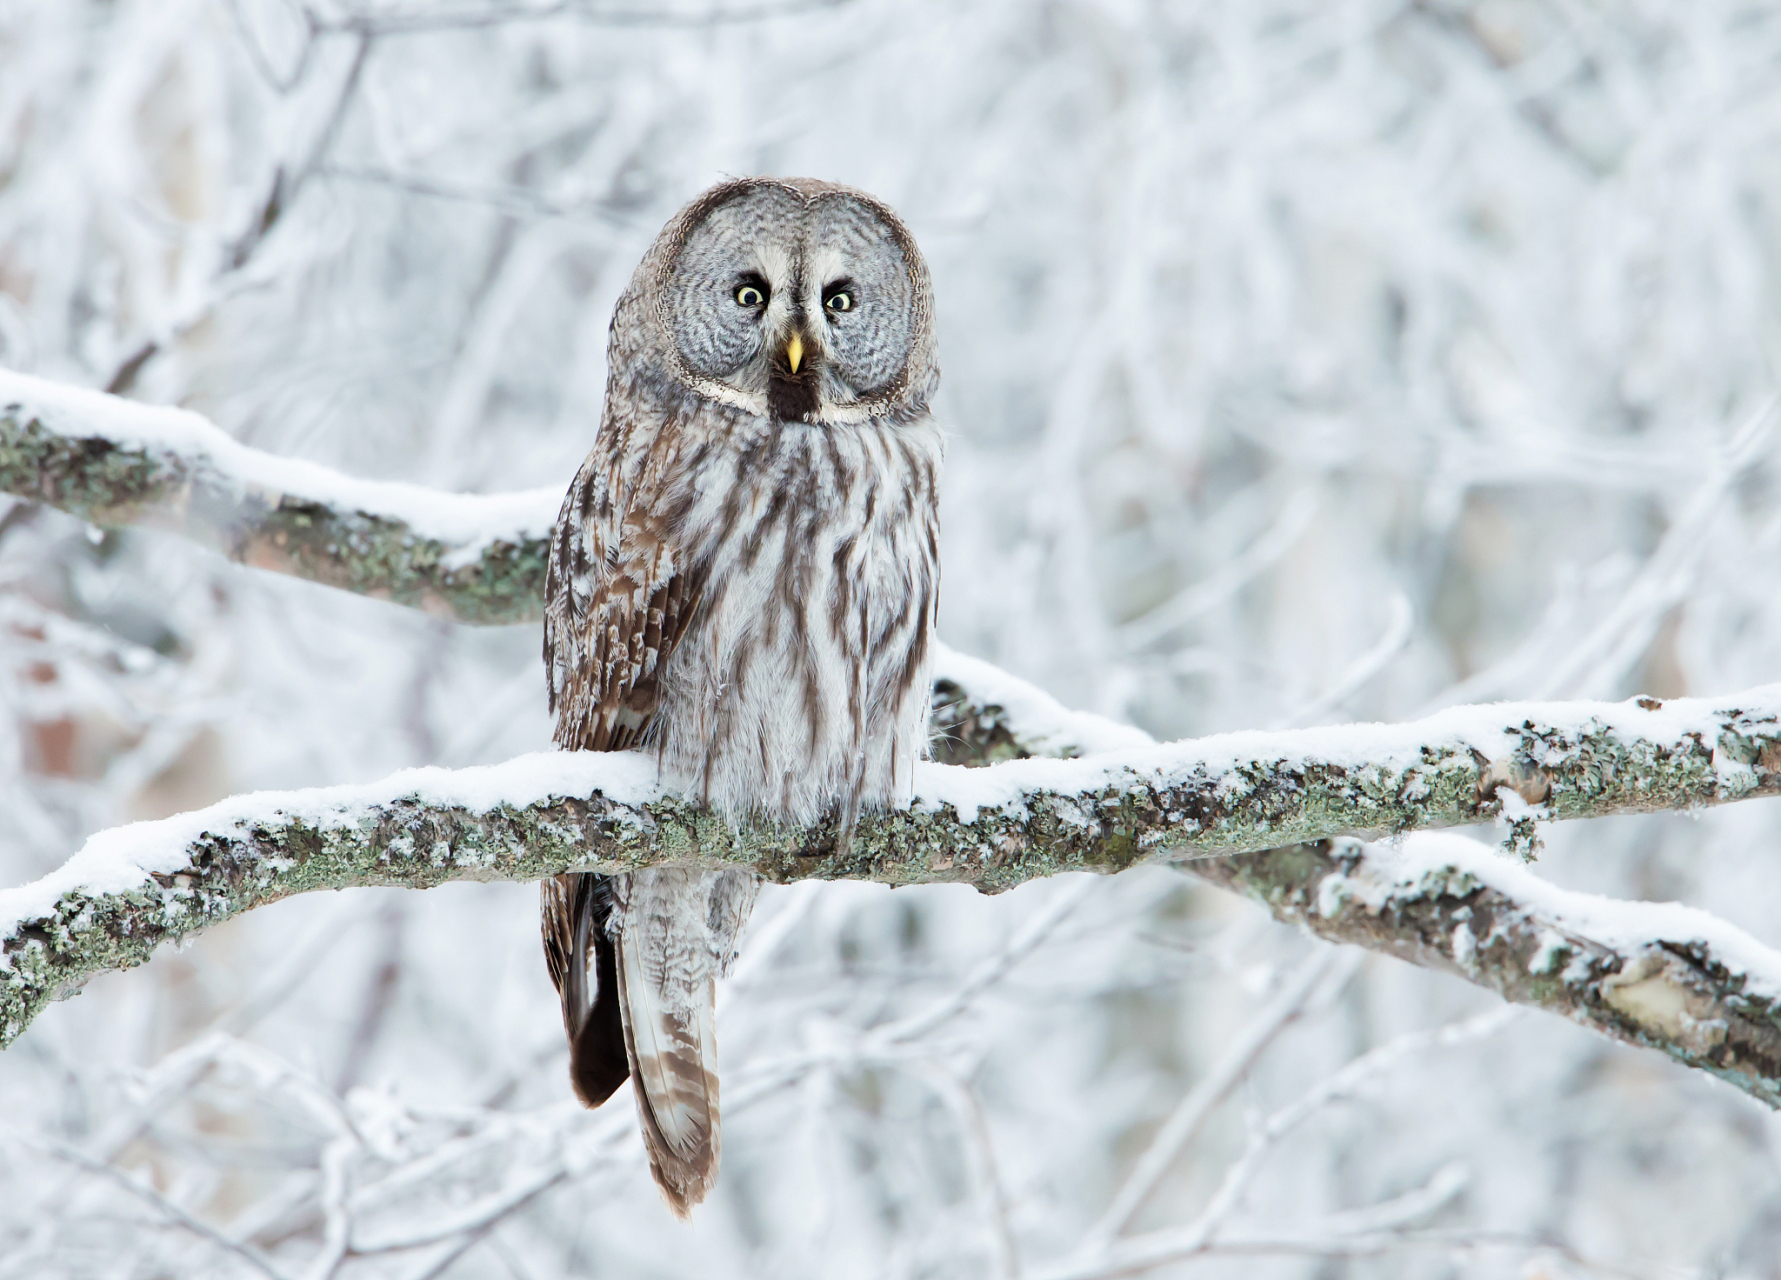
(173, 1212)
(1191, 1113)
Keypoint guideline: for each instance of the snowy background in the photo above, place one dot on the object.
(1303, 362)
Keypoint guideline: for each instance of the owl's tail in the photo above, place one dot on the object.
(667, 994)
(653, 943)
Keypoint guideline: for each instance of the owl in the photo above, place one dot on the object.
(743, 582)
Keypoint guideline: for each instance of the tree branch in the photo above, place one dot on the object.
(131, 888)
(1263, 810)
(1656, 974)
(118, 463)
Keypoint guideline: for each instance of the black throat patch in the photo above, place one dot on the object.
(792, 397)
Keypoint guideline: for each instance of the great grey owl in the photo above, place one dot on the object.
(743, 581)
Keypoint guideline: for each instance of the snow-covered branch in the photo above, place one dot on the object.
(1657, 974)
(117, 463)
(1683, 989)
(469, 557)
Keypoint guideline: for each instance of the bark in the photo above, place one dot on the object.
(1657, 975)
(175, 472)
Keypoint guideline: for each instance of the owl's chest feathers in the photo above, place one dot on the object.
(801, 682)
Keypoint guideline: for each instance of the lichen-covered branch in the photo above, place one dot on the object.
(994, 827)
(1660, 975)
(118, 463)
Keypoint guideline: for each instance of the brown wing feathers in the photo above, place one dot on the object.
(619, 637)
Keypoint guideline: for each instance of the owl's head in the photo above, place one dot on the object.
(793, 298)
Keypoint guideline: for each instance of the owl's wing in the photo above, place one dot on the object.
(618, 598)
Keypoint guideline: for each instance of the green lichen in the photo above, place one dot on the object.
(116, 487)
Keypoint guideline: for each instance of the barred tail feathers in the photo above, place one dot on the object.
(667, 994)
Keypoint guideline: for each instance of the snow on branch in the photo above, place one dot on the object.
(116, 463)
(1656, 974)
(1696, 989)
(983, 715)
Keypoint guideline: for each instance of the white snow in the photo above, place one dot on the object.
(1492, 729)
(467, 523)
(1625, 926)
(1552, 946)
(1045, 725)
(122, 858)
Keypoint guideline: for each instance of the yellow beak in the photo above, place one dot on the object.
(794, 352)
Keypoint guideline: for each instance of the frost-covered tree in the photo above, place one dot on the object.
(1351, 362)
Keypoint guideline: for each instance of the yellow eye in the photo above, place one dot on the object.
(842, 301)
(750, 296)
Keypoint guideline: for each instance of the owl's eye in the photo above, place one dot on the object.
(751, 295)
(840, 300)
